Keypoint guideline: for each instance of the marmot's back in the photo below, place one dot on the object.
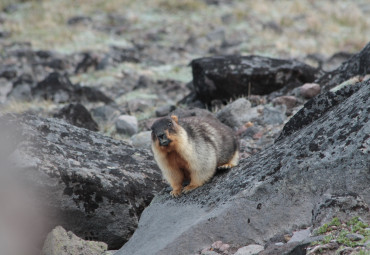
(213, 133)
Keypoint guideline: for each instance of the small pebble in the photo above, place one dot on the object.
(309, 90)
(355, 237)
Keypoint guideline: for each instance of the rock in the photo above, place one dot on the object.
(88, 183)
(61, 242)
(77, 20)
(88, 94)
(300, 235)
(289, 101)
(59, 88)
(323, 248)
(344, 207)
(224, 247)
(181, 113)
(89, 61)
(138, 105)
(345, 251)
(251, 249)
(164, 110)
(315, 108)
(55, 87)
(274, 115)
(120, 54)
(269, 193)
(127, 125)
(78, 115)
(105, 113)
(358, 64)
(8, 72)
(21, 90)
(225, 77)
(310, 90)
(237, 113)
(249, 132)
(142, 140)
(209, 253)
(354, 237)
(286, 249)
(216, 245)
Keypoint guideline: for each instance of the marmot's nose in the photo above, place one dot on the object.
(163, 140)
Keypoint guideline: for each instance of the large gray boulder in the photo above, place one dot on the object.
(88, 183)
(276, 191)
(225, 77)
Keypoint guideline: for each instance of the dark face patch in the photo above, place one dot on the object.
(160, 129)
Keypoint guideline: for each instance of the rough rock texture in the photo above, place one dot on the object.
(358, 64)
(61, 242)
(269, 193)
(225, 77)
(316, 107)
(78, 115)
(88, 183)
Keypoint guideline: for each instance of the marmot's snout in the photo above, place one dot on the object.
(163, 139)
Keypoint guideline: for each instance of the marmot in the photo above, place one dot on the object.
(191, 148)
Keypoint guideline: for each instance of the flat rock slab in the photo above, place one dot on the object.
(88, 183)
(269, 193)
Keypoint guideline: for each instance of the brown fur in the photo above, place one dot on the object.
(190, 149)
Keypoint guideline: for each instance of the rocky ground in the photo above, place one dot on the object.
(114, 67)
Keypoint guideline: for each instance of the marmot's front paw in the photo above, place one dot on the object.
(175, 193)
(189, 188)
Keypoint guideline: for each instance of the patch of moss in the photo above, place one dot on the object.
(340, 232)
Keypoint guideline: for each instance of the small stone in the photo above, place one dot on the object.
(288, 101)
(249, 132)
(224, 247)
(309, 90)
(355, 237)
(345, 251)
(164, 110)
(61, 242)
(237, 113)
(209, 252)
(105, 113)
(249, 250)
(138, 105)
(142, 140)
(274, 115)
(216, 245)
(127, 125)
(300, 235)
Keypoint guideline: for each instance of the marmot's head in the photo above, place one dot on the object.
(163, 129)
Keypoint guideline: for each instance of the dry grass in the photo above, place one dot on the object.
(306, 26)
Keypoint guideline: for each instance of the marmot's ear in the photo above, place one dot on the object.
(175, 118)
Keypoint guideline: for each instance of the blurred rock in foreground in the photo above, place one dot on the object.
(88, 183)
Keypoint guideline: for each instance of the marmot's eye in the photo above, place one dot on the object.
(169, 124)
